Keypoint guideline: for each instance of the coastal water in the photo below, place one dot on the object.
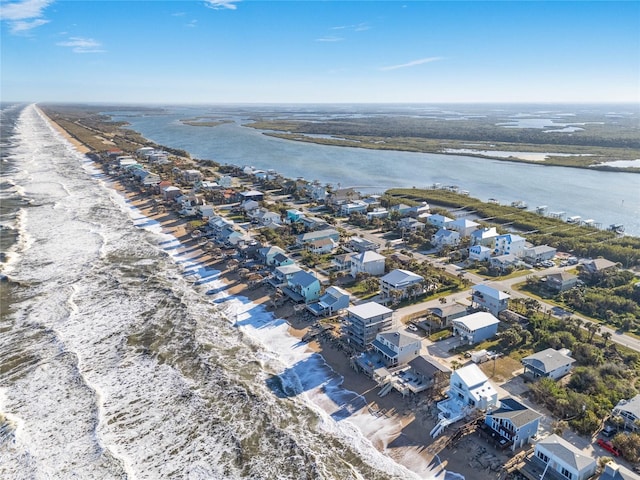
(606, 197)
(114, 365)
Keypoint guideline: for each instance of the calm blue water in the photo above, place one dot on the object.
(606, 197)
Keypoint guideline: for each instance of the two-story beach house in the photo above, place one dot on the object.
(342, 262)
(281, 275)
(409, 224)
(445, 314)
(266, 254)
(562, 281)
(484, 237)
(348, 209)
(475, 328)
(365, 321)
(463, 226)
(368, 262)
(539, 254)
(479, 253)
(360, 244)
(629, 410)
(331, 302)
(438, 220)
(549, 363)
(445, 238)
(490, 299)
(378, 212)
(396, 348)
(598, 268)
(512, 424)
(321, 246)
(302, 287)
(613, 471)
(563, 459)
(318, 235)
(401, 284)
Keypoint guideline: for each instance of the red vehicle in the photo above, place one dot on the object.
(608, 446)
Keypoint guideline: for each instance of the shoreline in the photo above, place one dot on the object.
(341, 143)
(402, 434)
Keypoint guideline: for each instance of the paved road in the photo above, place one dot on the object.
(504, 285)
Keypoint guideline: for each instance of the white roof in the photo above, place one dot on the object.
(443, 232)
(438, 216)
(369, 309)
(471, 375)
(491, 292)
(368, 256)
(464, 223)
(398, 276)
(477, 320)
(288, 269)
(485, 233)
(251, 193)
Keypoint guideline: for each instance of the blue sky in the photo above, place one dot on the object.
(255, 51)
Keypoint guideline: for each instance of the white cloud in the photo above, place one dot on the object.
(20, 26)
(82, 45)
(23, 16)
(192, 24)
(222, 4)
(24, 9)
(329, 39)
(414, 63)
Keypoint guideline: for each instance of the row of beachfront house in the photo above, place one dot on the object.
(485, 243)
(391, 357)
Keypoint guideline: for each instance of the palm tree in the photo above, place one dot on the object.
(606, 336)
(592, 328)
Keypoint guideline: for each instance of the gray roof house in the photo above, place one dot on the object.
(303, 287)
(282, 274)
(438, 220)
(446, 313)
(319, 235)
(629, 410)
(556, 454)
(401, 281)
(476, 327)
(613, 471)
(396, 348)
(539, 253)
(445, 237)
(597, 267)
(484, 236)
(267, 254)
(490, 299)
(512, 424)
(550, 363)
(333, 300)
(562, 281)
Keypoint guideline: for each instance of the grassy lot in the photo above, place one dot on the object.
(502, 369)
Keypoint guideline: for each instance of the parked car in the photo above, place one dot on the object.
(609, 430)
(608, 446)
